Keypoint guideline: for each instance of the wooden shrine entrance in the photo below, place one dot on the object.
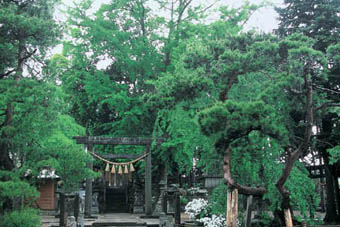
(89, 141)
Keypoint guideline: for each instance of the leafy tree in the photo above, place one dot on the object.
(283, 67)
(33, 121)
(139, 45)
(27, 31)
(319, 20)
(194, 83)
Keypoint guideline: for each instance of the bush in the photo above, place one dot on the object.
(26, 217)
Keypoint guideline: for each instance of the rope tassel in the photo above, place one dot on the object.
(107, 177)
(126, 170)
(107, 169)
(132, 169)
(113, 170)
(120, 171)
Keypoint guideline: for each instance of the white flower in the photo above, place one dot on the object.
(195, 207)
(213, 221)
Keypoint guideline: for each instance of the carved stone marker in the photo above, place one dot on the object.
(71, 221)
(138, 205)
(81, 208)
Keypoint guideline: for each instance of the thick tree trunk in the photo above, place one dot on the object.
(6, 162)
(232, 208)
(332, 188)
(332, 215)
(288, 218)
(292, 157)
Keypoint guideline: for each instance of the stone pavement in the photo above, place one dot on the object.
(48, 221)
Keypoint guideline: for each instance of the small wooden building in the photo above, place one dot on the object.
(47, 185)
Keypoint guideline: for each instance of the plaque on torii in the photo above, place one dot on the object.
(89, 141)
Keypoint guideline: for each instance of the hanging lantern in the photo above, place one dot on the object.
(113, 170)
(132, 169)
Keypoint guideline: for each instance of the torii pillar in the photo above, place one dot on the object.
(148, 182)
(88, 187)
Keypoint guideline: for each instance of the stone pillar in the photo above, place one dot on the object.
(81, 210)
(88, 189)
(148, 182)
(63, 211)
(76, 206)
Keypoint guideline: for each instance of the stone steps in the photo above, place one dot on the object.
(114, 224)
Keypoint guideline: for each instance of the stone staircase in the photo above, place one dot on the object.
(114, 224)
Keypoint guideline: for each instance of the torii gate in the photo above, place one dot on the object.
(88, 142)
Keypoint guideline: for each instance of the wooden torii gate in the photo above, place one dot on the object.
(89, 141)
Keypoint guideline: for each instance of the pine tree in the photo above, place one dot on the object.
(320, 21)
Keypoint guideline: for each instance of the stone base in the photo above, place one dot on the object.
(158, 209)
(138, 209)
(94, 210)
(166, 220)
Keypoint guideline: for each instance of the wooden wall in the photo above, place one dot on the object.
(47, 200)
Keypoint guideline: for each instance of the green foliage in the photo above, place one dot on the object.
(26, 217)
(218, 199)
(128, 70)
(231, 120)
(316, 19)
(29, 25)
(12, 187)
(65, 156)
(334, 154)
(181, 127)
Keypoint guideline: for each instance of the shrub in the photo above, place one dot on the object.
(26, 217)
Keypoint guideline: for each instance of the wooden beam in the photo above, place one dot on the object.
(116, 140)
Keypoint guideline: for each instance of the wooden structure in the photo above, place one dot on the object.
(47, 199)
(89, 141)
(47, 181)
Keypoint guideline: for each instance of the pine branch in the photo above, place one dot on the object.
(326, 89)
(6, 74)
(327, 104)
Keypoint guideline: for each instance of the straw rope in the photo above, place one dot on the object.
(119, 163)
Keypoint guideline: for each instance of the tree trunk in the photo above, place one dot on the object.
(229, 211)
(332, 215)
(288, 218)
(6, 162)
(232, 208)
